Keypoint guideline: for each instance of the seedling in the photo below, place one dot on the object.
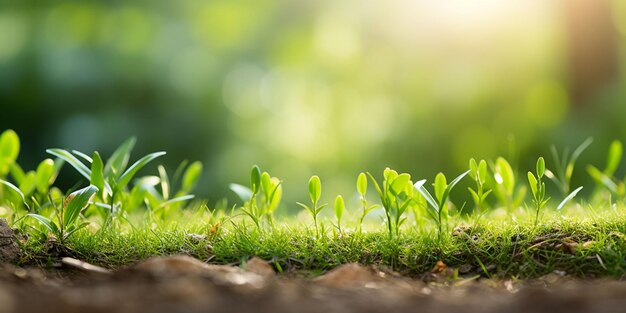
(438, 211)
(538, 188)
(503, 184)
(478, 172)
(565, 163)
(67, 216)
(606, 178)
(339, 207)
(262, 198)
(111, 178)
(315, 192)
(396, 194)
(361, 187)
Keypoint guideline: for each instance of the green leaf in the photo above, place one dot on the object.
(541, 167)
(474, 196)
(532, 181)
(78, 200)
(400, 183)
(133, 169)
(276, 195)
(361, 184)
(504, 175)
(46, 222)
(82, 155)
(175, 200)
(614, 158)
(15, 190)
(473, 166)
(29, 183)
(306, 207)
(72, 160)
(45, 171)
(165, 182)
(376, 186)
(17, 172)
(601, 178)
(340, 207)
(568, 198)
(419, 186)
(450, 186)
(244, 193)
(266, 185)
(9, 147)
(97, 172)
(482, 171)
(118, 161)
(440, 186)
(191, 176)
(570, 165)
(315, 188)
(255, 179)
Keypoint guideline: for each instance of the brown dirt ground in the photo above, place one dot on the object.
(183, 284)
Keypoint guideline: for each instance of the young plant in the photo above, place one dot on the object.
(606, 178)
(361, 187)
(439, 212)
(396, 194)
(478, 172)
(67, 217)
(503, 185)
(339, 207)
(262, 199)
(315, 192)
(111, 178)
(565, 163)
(538, 188)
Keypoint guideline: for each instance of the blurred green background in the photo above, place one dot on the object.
(314, 87)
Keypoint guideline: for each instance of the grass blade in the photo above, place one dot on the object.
(15, 190)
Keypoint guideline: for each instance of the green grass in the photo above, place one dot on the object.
(506, 248)
(120, 218)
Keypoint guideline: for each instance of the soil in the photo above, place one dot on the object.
(184, 284)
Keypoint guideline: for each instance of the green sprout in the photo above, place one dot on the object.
(339, 207)
(438, 211)
(361, 187)
(478, 172)
(503, 184)
(538, 188)
(66, 218)
(111, 178)
(396, 194)
(262, 198)
(315, 192)
(606, 179)
(565, 163)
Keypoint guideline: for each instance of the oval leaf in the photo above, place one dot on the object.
(315, 188)
(45, 171)
(361, 184)
(255, 179)
(340, 207)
